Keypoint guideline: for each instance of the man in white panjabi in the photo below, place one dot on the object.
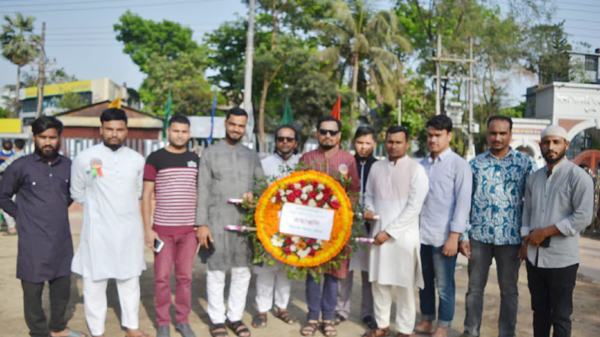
(273, 287)
(396, 190)
(107, 180)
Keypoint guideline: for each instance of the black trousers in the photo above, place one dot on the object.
(34, 313)
(551, 299)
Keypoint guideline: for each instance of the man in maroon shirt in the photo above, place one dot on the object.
(171, 174)
(341, 166)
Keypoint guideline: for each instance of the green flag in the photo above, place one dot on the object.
(288, 118)
(167, 115)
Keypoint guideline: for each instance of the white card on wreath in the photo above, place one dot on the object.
(306, 221)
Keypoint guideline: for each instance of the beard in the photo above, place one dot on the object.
(327, 147)
(233, 139)
(558, 158)
(46, 155)
(113, 147)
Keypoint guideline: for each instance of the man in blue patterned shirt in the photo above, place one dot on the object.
(499, 177)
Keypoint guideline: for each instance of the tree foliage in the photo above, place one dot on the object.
(71, 101)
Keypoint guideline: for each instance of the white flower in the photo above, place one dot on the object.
(307, 188)
(312, 203)
(316, 247)
(319, 197)
(297, 186)
(284, 199)
(320, 187)
(295, 239)
(303, 253)
(293, 248)
(288, 192)
(298, 201)
(281, 192)
(277, 241)
(333, 198)
(319, 242)
(273, 200)
(304, 196)
(326, 206)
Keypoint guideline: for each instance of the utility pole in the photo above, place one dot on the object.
(399, 112)
(471, 145)
(41, 69)
(438, 76)
(248, 76)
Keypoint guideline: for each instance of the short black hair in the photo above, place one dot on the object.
(19, 144)
(500, 118)
(440, 122)
(237, 112)
(288, 126)
(7, 144)
(364, 131)
(113, 114)
(177, 118)
(396, 129)
(44, 123)
(329, 119)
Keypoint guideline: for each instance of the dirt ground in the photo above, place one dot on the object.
(586, 321)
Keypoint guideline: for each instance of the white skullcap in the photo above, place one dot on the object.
(554, 130)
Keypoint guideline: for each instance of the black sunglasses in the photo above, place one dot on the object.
(324, 132)
(288, 139)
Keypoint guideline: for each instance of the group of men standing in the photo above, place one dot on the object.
(419, 213)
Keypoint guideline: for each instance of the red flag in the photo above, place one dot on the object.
(336, 112)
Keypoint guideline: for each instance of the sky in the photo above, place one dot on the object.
(80, 36)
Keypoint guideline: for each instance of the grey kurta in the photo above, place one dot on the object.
(226, 172)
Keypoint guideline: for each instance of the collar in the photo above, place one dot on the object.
(52, 163)
(391, 163)
(558, 167)
(111, 150)
(441, 157)
(511, 153)
(368, 159)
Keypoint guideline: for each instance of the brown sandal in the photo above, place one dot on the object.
(310, 328)
(285, 316)
(385, 332)
(329, 329)
(259, 320)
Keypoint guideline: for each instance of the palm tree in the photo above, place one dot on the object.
(19, 45)
(363, 36)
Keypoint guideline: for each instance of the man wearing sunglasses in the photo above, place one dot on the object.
(272, 284)
(340, 165)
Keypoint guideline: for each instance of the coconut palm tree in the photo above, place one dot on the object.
(364, 40)
(19, 45)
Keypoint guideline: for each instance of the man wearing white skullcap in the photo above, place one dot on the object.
(559, 202)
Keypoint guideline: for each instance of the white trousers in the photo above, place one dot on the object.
(406, 310)
(272, 280)
(10, 221)
(238, 289)
(94, 303)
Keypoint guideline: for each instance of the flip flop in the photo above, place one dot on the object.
(421, 332)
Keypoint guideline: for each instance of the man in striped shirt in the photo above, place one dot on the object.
(171, 174)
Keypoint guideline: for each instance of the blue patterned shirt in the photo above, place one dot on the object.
(497, 202)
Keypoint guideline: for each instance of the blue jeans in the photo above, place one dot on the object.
(438, 272)
(324, 302)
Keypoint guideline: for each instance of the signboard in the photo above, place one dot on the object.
(200, 127)
(10, 125)
(57, 89)
(306, 221)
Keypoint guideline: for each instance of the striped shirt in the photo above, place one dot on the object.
(175, 176)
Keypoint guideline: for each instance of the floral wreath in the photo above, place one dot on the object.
(310, 188)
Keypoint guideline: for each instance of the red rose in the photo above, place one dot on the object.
(305, 202)
(297, 193)
(326, 198)
(288, 241)
(291, 198)
(311, 242)
(290, 186)
(321, 203)
(312, 252)
(334, 204)
(314, 184)
(287, 250)
(278, 197)
(312, 195)
(302, 183)
(327, 191)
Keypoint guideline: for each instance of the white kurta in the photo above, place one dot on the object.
(112, 237)
(396, 193)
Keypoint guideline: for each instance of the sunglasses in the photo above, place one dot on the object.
(286, 139)
(324, 132)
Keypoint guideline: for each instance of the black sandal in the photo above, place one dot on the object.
(310, 328)
(222, 330)
(259, 320)
(285, 316)
(329, 329)
(239, 328)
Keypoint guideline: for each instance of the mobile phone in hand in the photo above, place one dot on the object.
(158, 245)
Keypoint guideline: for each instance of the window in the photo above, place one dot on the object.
(590, 63)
